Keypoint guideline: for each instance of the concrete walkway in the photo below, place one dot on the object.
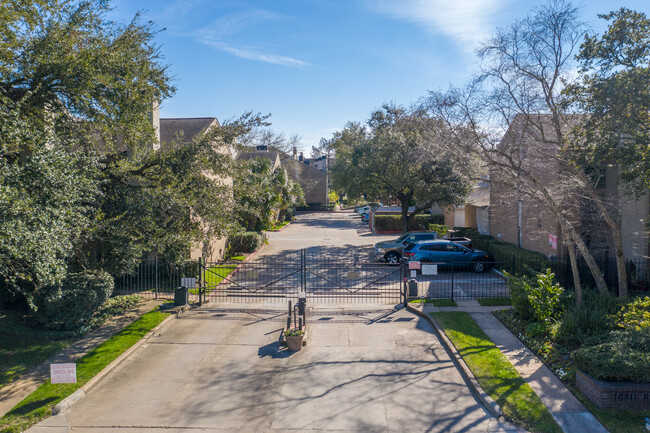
(18, 390)
(567, 410)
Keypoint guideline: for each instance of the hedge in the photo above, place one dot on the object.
(317, 207)
(624, 357)
(394, 222)
(247, 242)
(70, 305)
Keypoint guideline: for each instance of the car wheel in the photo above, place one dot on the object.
(392, 258)
(478, 266)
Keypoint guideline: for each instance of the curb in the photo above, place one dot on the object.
(485, 400)
(73, 398)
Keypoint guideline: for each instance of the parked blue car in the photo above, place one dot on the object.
(446, 253)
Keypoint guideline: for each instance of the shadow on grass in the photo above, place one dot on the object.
(30, 407)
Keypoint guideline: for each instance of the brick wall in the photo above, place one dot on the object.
(614, 395)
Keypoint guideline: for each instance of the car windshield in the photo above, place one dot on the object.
(401, 238)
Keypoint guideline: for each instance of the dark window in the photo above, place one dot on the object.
(409, 247)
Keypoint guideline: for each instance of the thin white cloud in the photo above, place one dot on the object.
(253, 54)
(221, 33)
(236, 22)
(465, 21)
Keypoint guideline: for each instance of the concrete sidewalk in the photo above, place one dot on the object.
(18, 390)
(567, 410)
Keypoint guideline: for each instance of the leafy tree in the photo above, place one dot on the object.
(400, 156)
(81, 185)
(264, 195)
(518, 99)
(613, 90)
(46, 202)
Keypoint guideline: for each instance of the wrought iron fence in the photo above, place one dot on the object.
(446, 281)
(340, 280)
(155, 278)
(351, 279)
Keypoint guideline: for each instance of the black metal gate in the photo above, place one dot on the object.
(323, 280)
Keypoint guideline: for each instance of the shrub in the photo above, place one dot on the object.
(588, 324)
(113, 307)
(440, 229)
(635, 315)
(71, 305)
(544, 296)
(536, 329)
(394, 222)
(247, 242)
(519, 287)
(317, 207)
(624, 357)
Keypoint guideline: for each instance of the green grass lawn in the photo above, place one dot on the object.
(214, 275)
(280, 225)
(39, 404)
(495, 374)
(435, 302)
(494, 302)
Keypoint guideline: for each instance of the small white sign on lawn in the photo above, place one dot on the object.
(63, 373)
(190, 283)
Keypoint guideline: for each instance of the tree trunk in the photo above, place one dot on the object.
(568, 242)
(591, 263)
(620, 258)
(405, 214)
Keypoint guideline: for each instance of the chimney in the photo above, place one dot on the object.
(295, 153)
(301, 157)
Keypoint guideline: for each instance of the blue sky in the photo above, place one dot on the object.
(316, 64)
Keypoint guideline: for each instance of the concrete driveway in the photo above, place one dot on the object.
(222, 370)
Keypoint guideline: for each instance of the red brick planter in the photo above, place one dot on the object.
(614, 395)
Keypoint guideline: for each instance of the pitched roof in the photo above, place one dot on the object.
(274, 157)
(188, 127)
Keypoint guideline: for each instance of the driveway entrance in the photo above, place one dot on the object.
(218, 369)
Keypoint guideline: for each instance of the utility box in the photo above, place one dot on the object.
(413, 288)
(181, 296)
(302, 302)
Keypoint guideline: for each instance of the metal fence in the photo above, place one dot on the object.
(352, 280)
(638, 271)
(445, 281)
(155, 278)
(324, 280)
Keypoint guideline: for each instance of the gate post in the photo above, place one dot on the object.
(452, 278)
(156, 270)
(200, 280)
(404, 293)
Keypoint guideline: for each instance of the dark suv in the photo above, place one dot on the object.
(447, 253)
(391, 251)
